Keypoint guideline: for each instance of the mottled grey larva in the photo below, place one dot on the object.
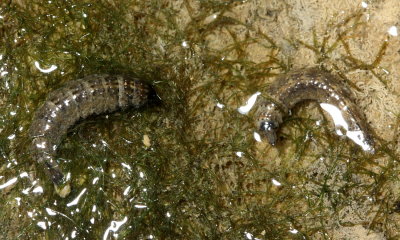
(318, 85)
(95, 94)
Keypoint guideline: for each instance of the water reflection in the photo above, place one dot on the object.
(183, 196)
(249, 104)
(257, 136)
(114, 226)
(76, 200)
(8, 183)
(356, 135)
(45, 70)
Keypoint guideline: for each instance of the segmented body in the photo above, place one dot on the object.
(95, 94)
(313, 84)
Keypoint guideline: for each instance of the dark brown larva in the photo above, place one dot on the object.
(321, 86)
(76, 100)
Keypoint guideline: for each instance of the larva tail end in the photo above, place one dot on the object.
(369, 145)
(55, 174)
(57, 177)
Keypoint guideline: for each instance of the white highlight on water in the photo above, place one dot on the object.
(51, 212)
(38, 189)
(220, 105)
(249, 104)
(76, 200)
(364, 4)
(257, 137)
(276, 183)
(140, 206)
(356, 136)
(8, 183)
(114, 226)
(393, 31)
(45, 70)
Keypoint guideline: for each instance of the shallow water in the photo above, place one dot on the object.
(190, 167)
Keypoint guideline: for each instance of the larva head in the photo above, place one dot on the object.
(137, 92)
(268, 122)
(154, 99)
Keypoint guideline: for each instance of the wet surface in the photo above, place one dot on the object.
(192, 167)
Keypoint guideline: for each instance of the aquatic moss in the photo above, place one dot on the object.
(203, 177)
